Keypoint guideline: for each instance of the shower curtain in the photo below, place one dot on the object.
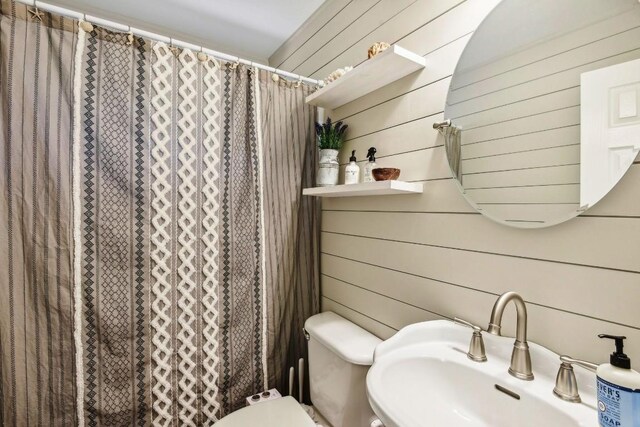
(292, 235)
(165, 243)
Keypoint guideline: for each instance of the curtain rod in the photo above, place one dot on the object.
(157, 37)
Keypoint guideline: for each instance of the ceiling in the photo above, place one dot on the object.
(252, 29)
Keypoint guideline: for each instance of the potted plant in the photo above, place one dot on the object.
(330, 138)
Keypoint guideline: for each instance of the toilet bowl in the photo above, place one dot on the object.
(340, 354)
(282, 412)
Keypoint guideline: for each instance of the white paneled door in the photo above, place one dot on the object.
(610, 130)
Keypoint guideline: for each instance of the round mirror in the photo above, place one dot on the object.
(544, 108)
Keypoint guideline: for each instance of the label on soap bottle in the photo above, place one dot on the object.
(617, 406)
(351, 176)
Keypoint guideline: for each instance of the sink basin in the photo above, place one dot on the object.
(422, 377)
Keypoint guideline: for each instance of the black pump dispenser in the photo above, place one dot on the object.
(618, 358)
(371, 154)
(353, 156)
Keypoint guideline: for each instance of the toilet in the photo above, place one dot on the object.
(340, 354)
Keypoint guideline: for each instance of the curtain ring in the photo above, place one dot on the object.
(130, 37)
(172, 48)
(299, 82)
(86, 26)
(234, 65)
(202, 57)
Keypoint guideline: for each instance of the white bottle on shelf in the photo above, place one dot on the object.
(352, 170)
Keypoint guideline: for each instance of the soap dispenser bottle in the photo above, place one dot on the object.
(370, 166)
(618, 389)
(352, 171)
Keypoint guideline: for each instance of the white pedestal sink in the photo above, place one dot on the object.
(421, 377)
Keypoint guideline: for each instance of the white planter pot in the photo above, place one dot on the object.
(328, 168)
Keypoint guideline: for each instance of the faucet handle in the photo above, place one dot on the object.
(476, 346)
(566, 384)
(571, 361)
(469, 324)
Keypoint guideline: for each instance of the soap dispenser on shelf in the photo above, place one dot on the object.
(370, 166)
(352, 170)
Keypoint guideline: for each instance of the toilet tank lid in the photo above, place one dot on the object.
(347, 340)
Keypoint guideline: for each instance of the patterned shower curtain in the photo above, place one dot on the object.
(177, 205)
(112, 190)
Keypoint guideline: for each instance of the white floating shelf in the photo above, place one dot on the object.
(384, 68)
(378, 188)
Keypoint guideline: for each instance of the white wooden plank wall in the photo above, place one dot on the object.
(390, 261)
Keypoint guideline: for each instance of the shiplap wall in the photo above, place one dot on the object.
(395, 260)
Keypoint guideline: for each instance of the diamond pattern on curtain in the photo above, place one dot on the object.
(210, 241)
(206, 249)
(241, 281)
(187, 205)
(114, 231)
(172, 204)
(161, 222)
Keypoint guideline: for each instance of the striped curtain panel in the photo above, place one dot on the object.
(292, 238)
(36, 318)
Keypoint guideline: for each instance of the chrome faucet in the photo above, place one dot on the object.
(520, 358)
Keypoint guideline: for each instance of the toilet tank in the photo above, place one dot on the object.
(340, 354)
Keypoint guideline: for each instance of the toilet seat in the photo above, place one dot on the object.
(281, 412)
